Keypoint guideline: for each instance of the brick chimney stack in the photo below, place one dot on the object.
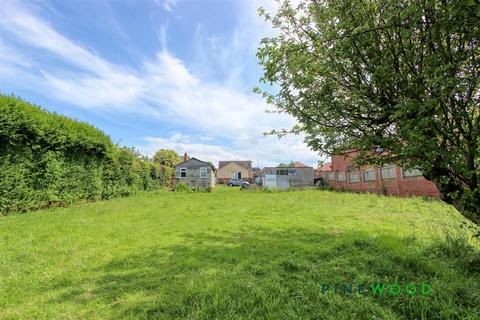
(185, 157)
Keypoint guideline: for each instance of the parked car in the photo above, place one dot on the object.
(237, 182)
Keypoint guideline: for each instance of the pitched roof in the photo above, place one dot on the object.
(247, 164)
(297, 164)
(293, 165)
(193, 158)
(326, 167)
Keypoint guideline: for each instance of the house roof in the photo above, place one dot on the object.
(326, 167)
(297, 164)
(193, 158)
(247, 164)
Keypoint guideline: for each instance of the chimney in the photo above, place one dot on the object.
(185, 157)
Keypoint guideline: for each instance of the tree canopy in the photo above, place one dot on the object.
(396, 80)
(286, 165)
(166, 157)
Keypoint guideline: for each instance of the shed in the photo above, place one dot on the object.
(287, 177)
(195, 173)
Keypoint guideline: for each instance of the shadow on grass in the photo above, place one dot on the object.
(279, 275)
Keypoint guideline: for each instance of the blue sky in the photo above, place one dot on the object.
(153, 74)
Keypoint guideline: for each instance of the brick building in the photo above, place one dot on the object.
(391, 179)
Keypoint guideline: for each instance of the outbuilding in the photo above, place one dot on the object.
(298, 175)
(195, 173)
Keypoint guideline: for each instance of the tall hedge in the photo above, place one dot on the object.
(48, 159)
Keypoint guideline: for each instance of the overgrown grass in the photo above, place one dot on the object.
(237, 255)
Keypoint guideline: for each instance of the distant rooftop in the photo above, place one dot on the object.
(326, 167)
(297, 164)
(247, 164)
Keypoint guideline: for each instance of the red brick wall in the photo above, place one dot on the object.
(399, 185)
(341, 162)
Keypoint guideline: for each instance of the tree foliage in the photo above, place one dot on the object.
(47, 159)
(167, 157)
(397, 80)
(286, 165)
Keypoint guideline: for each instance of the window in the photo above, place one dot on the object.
(387, 173)
(330, 175)
(354, 177)
(237, 175)
(341, 176)
(412, 173)
(183, 172)
(286, 172)
(203, 172)
(369, 175)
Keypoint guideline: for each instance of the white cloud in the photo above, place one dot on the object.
(163, 87)
(270, 150)
(184, 144)
(37, 33)
(99, 84)
(166, 4)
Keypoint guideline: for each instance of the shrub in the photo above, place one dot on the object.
(48, 159)
(182, 187)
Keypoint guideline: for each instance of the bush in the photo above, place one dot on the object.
(182, 187)
(47, 159)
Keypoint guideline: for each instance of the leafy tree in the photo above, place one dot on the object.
(396, 80)
(320, 163)
(166, 157)
(286, 165)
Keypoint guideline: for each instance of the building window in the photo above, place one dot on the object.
(354, 177)
(330, 176)
(369, 175)
(203, 172)
(341, 176)
(183, 172)
(237, 175)
(412, 173)
(387, 173)
(286, 172)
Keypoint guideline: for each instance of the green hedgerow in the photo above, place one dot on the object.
(47, 159)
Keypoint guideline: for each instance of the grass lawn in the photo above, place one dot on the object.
(235, 254)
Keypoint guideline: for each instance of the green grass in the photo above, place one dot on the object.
(234, 254)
